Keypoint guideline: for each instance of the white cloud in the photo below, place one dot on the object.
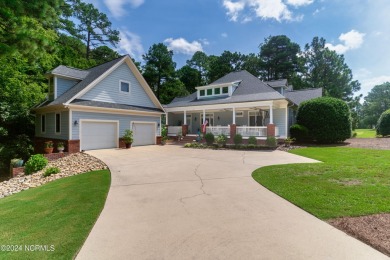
(117, 7)
(263, 9)
(299, 2)
(368, 83)
(181, 45)
(224, 35)
(351, 40)
(130, 43)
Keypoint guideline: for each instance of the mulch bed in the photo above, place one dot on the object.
(373, 230)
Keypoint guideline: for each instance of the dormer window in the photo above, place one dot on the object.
(225, 90)
(202, 92)
(209, 92)
(217, 90)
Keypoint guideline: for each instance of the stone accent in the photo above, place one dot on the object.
(17, 171)
(55, 156)
(271, 130)
(184, 130)
(73, 146)
(121, 143)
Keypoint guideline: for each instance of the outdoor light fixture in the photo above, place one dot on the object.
(218, 118)
(75, 123)
(195, 118)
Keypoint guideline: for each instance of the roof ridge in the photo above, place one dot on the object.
(304, 89)
(93, 67)
(69, 67)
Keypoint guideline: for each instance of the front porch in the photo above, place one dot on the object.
(260, 120)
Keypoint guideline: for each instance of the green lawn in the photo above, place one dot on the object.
(59, 214)
(349, 182)
(365, 133)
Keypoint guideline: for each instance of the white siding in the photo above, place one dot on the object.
(64, 84)
(50, 126)
(108, 89)
(280, 121)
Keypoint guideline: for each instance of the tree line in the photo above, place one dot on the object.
(37, 36)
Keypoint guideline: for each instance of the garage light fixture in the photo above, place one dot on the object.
(75, 123)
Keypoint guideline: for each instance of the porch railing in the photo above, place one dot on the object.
(218, 130)
(257, 131)
(174, 130)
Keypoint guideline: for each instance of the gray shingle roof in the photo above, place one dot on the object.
(69, 72)
(93, 73)
(277, 83)
(91, 103)
(298, 96)
(249, 89)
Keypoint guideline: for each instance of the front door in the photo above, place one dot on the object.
(209, 118)
(189, 123)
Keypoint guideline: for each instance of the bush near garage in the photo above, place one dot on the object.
(327, 119)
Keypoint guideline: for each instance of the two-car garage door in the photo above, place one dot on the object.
(104, 134)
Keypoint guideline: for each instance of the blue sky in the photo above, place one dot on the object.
(360, 29)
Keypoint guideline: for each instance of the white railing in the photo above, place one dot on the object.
(257, 131)
(218, 130)
(174, 130)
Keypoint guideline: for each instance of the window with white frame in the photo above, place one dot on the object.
(239, 113)
(58, 123)
(124, 86)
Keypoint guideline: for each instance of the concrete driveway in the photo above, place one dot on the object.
(168, 202)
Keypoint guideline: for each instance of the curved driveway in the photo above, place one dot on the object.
(167, 202)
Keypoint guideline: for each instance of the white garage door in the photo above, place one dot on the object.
(144, 133)
(98, 135)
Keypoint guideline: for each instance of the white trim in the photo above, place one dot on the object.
(271, 115)
(185, 117)
(55, 87)
(43, 132)
(70, 125)
(55, 123)
(205, 115)
(81, 121)
(222, 106)
(286, 133)
(234, 116)
(113, 111)
(146, 122)
(120, 87)
(219, 85)
(160, 127)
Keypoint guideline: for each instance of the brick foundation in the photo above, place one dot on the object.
(184, 130)
(158, 140)
(71, 146)
(271, 130)
(55, 156)
(17, 171)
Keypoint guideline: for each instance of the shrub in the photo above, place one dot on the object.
(237, 139)
(209, 138)
(35, 163)
(299, 132)
(222, 139)
(252, 140)
(327, 119)
(251, 146)
(50, 171)
(271, 141)
(383, 125)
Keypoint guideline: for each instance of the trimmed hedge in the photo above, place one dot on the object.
(209, 138)
(237, 139)
(383, 125)
(327, 119)
(299, 132)
(35, 163)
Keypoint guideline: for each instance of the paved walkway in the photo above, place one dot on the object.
(168, 202)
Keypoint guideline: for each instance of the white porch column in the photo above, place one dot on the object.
(234, 115)
(185, 117)
(166, 118)
(271, 115)
(204, 116)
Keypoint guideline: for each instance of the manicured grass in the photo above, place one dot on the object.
(59, 214)
(349, 182)
(365, 133)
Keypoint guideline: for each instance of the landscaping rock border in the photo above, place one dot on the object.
(70, 165)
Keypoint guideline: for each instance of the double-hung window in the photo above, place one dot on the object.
(124, 86)
(58, 123)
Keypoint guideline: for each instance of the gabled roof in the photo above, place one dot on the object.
(90, 103)
(68, 72)
(93, 73)
(249, 89)
(298, 96)
(91, 77)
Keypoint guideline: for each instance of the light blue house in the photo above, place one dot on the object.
(238, 103)
(90, 109)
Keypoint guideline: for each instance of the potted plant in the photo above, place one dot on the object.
(48, 147)
(128, 138)
(60, 147)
